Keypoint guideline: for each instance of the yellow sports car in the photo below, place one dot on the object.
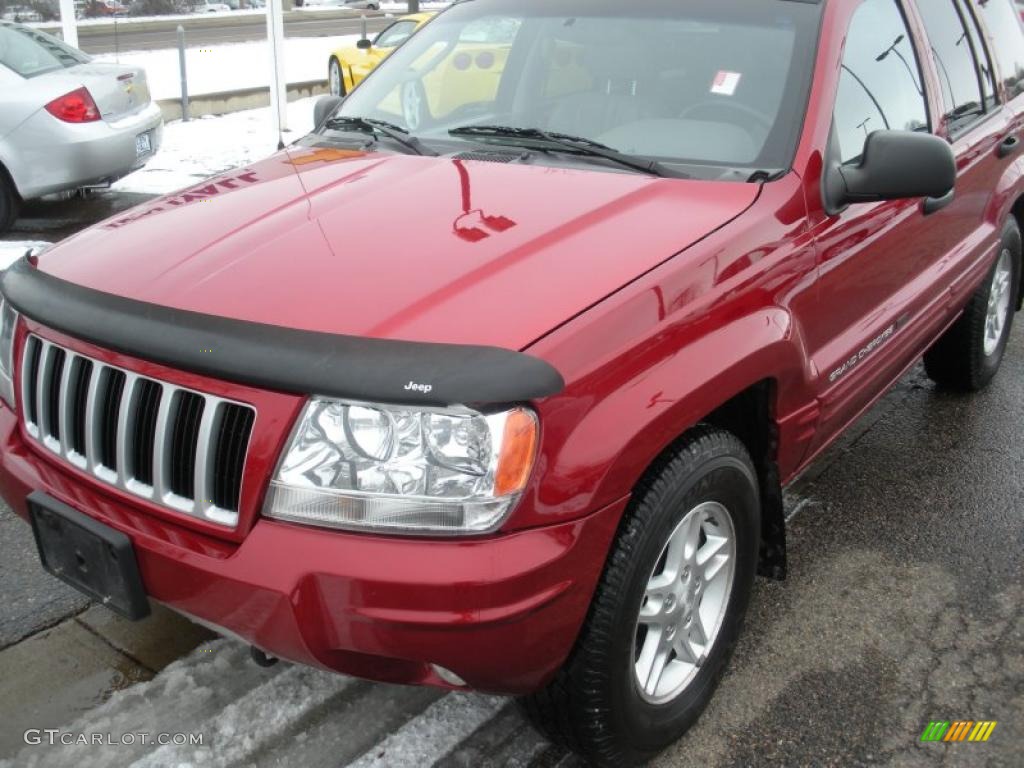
(348, 66)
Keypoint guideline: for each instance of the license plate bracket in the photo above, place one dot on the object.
(93, 558)
(143, 144)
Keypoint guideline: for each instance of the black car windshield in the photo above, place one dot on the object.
(707, 84)
(28, 52)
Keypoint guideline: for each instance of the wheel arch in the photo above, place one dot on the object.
(748, 377)
(1017, 211)
(749, 415)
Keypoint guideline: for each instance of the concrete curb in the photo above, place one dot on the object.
(225, 102)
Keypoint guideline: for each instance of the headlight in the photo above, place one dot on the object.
(8, 321)
(432, 471)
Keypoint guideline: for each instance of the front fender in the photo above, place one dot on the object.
(597, 446)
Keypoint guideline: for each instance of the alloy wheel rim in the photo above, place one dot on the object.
(335, 79)
(998, 303)
(684, 604)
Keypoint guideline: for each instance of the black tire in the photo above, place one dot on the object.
(9, 202)
(594, 706)
(959, 359)
(341, 77)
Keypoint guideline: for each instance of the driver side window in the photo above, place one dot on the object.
(396, 34)
(880, 85)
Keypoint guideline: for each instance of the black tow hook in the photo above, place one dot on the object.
(261, 658)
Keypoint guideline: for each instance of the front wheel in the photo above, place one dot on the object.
(969, 354)
(335, 80)
(668, 609)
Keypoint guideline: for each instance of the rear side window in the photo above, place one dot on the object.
(880, 86)
(1003, 22)
(28, 52)
(960, 75)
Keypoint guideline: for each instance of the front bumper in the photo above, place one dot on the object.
(502, 613)
(47, 156)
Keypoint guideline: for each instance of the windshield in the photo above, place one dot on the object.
(707, 84)
(28, 52)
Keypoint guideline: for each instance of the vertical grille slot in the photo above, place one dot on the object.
(33, 353)
(186, 415)
(179, 449)
(81, 375)
(54, 376)
(141, 445)
(111, 389)
(232, 442)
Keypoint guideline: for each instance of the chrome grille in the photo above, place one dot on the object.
(181, 449)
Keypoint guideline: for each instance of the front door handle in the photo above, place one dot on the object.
(936, 204)
(1008, 146)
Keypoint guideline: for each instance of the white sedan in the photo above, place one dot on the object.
(67, 122)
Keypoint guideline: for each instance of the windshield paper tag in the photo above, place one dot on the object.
(726, 83)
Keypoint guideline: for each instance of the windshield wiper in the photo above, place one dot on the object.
(575, 144)
(382, 128)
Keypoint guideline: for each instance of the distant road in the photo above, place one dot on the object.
(218, 30)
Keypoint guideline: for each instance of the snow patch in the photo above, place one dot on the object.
(184, 697)
(244, 728)
(204, 147)
(426, 739)
(12, 250)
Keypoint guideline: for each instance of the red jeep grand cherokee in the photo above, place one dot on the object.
(494, 380)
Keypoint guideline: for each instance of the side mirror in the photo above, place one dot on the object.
(324, 108)
(364, 45)
(896, 165)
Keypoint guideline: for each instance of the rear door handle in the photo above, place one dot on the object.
(936, 204)
(1008, 146)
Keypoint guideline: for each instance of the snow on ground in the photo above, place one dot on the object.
(245, 712)
(11, 251)
(232, 66)
(207, 146)
(426, 739)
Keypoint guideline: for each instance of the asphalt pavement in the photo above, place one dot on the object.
(904, 604)
(54, 218)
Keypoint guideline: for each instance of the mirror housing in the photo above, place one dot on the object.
(896, 165)
(324, 108)
(364, 44)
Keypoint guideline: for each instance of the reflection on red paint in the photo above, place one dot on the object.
(325, 155)
(474, 225)
(200, 193)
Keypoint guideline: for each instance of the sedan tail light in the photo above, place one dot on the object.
(75, 107)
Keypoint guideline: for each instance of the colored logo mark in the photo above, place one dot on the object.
(958, 730)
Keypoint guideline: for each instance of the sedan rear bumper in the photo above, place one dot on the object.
(45, 155)
(502, 613)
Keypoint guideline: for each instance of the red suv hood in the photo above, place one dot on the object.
(397, 246)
